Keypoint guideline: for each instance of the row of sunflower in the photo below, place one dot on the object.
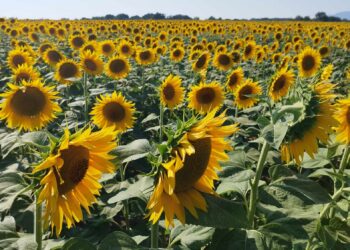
(195, 90)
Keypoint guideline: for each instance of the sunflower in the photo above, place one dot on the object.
(171, 92)
(30, 106)
(91, 46)
(145, 56)
(324, 51)
(77, 42)
(18, 57)
(342, 115)
(91, 63)
(201, 62)
(107, 48)
(72, 172)
(281, 84)
(44, 46)
(309, 60)
(67, 71)
(53, 57)
(117, 67)
(317, 125)
(177, 54)
(246, 94)
(125, 48)
(113, 111)
(249, 50)
(327, 72)
(206, 97)
(191, 170)
(223, 61)
(235, 79)
(26, 73)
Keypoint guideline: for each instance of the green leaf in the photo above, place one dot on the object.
(294, 191)
(193, 237)
(11, 185)
(133, 151)
(232, 214)
(78, 244)
(297, 110)
(238, 182)
(117, 241)
(9, 142)
(138, 187)
(39, 139)
(320, 160)
(8, 233)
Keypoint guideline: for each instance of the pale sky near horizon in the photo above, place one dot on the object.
(56, 9)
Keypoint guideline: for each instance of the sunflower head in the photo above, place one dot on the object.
(249, 50)
(309, 61)
(205, 97)
(177, 54)
(72, 172)
(246, 94)
(191, 170)
(280, 84)
(30, 106)
(223, 61)
(145, 56)
(91, 63)
(201, 62)
(19, 57)
(67, 71)
(107, 48)
(53, 57)
(77, 42)
(117, 67)
(125, 48)
(113, 111)
(342, 115)
(171, 92)
(25, 73)
(317, 124)
(235, 79)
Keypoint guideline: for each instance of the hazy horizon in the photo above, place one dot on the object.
(226, 9)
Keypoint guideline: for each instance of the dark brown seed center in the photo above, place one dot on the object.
(169, 92)
(205, 95)
(28, 102)
(194, 165)
(68, 70)
(75, 166)
(114, 112)
(117, 66)
(308, 62)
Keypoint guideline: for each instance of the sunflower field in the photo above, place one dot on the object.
(174, 134)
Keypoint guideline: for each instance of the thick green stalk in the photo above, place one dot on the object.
(38, 226)
(337, 193)
(254, 189)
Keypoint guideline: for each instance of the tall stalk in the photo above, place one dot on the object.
(337, 193)
(254, 189)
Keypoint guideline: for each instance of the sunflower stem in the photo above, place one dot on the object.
(38, 226)
(337, 193)
(255, 185)
(86, 99)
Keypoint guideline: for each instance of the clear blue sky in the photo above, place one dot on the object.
(56, 9)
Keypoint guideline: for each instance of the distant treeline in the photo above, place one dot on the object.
(320, 16)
